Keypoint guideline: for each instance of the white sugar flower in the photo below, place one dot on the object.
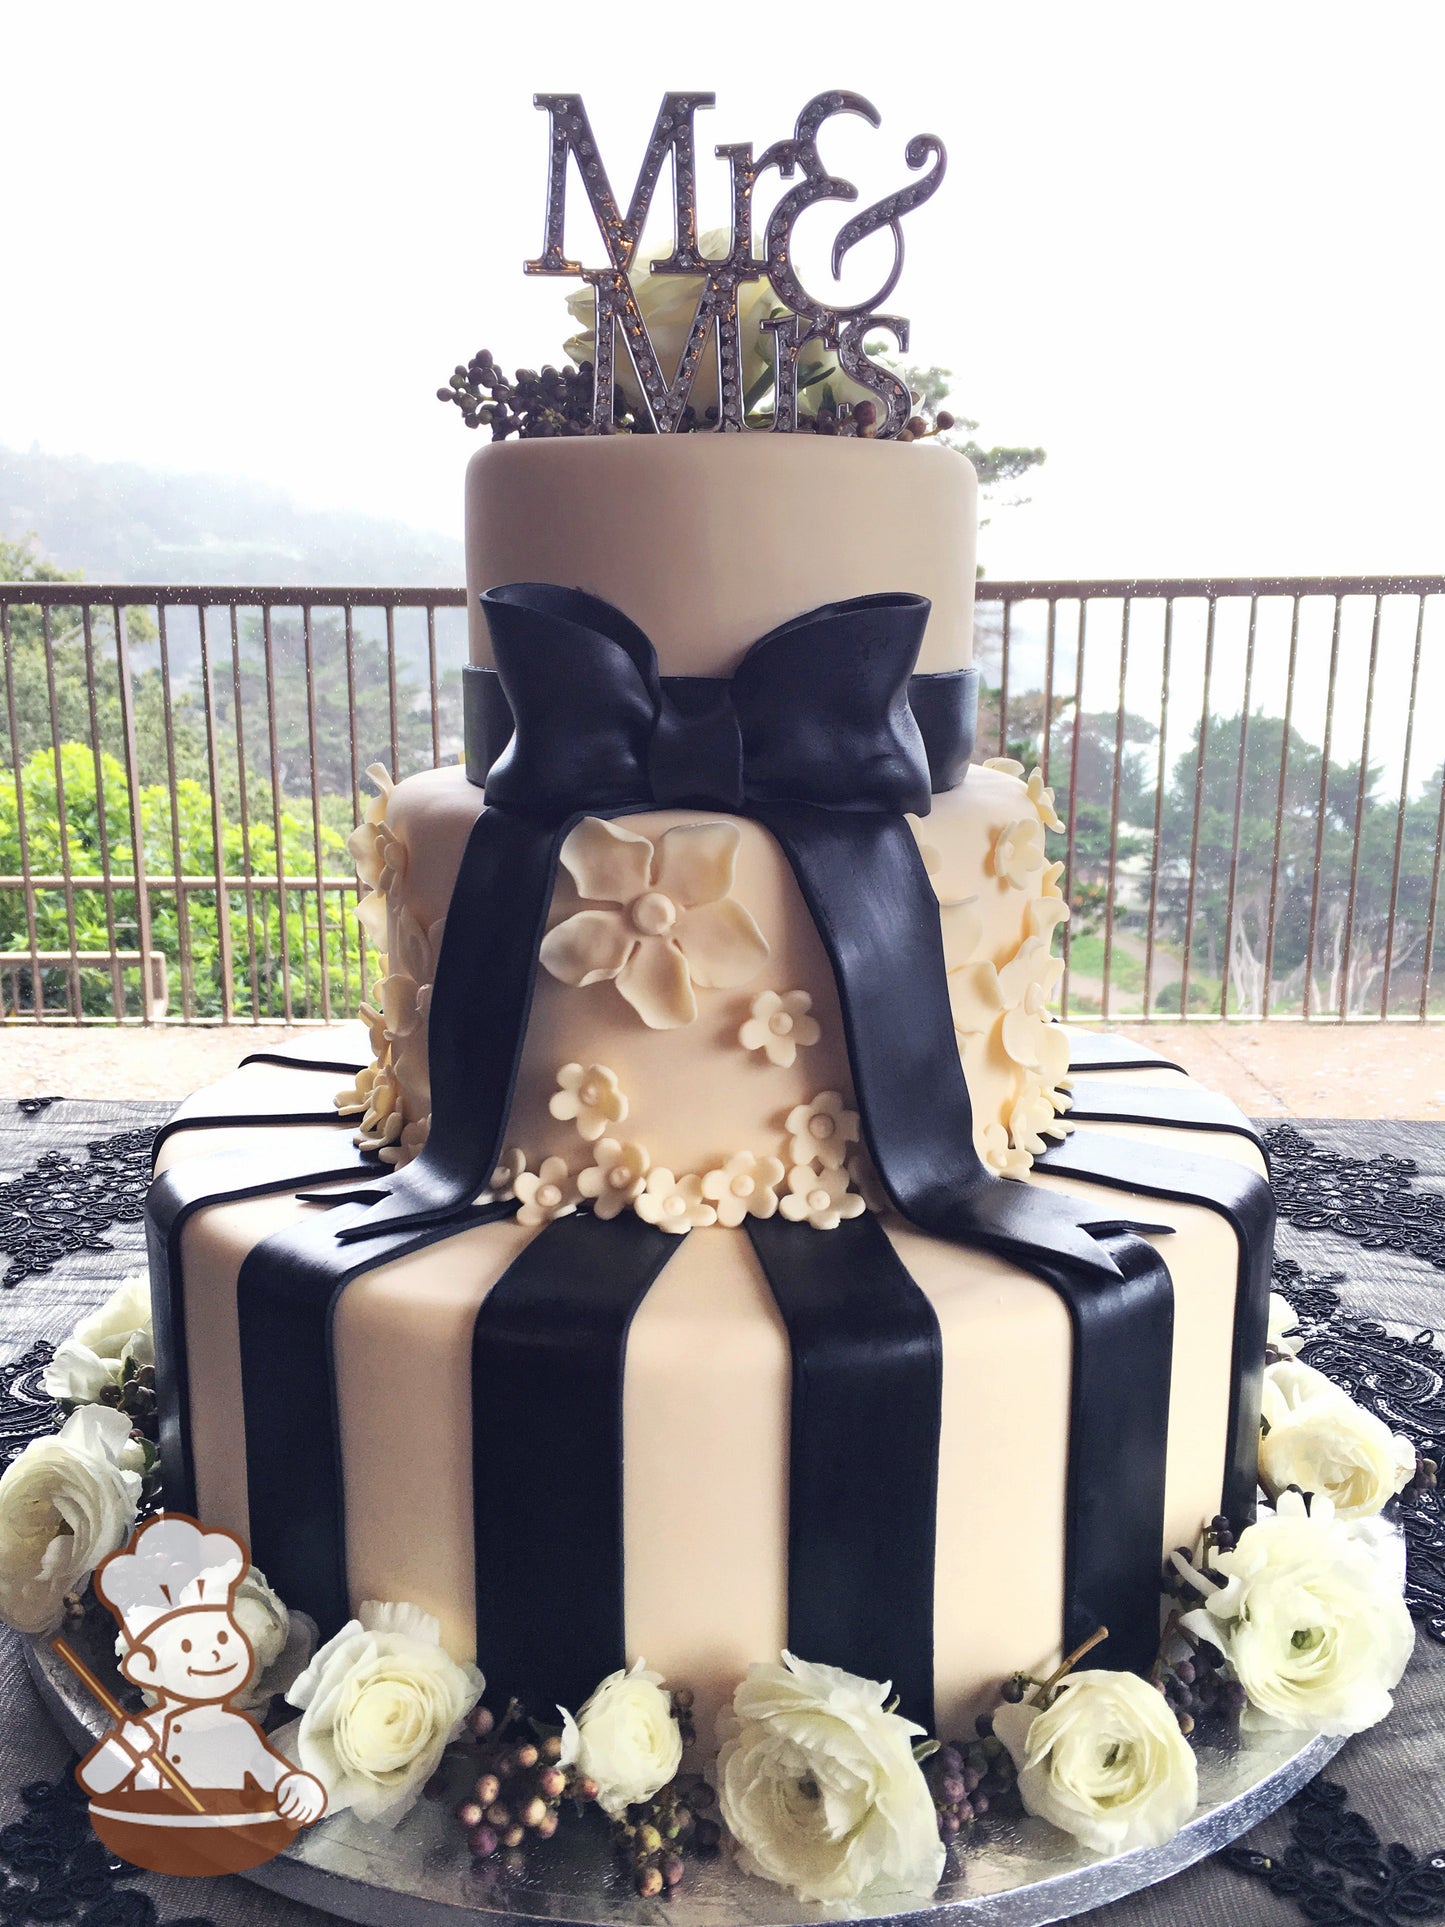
(1316, 1437)
(103, 1344)
(1310, 1618)
(673, 1204)
(625, 1737)
(381, 1702)
(1283, 1336)
(548, 1193)
(1105, 1762)
(674, 923)
(819, 1787)
(592, 1097)
(1018, 852)
(616, 1179)
(365, 841)
(822, 1130)
(66, 1503)
(502, 1183)
(744, 1187)
(1001, 1156)
(820, 1198)
(1035, 1117)
(780, 1026)
(404, 1003)
(410, 1144)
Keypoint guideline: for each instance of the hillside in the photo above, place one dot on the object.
(120, 522)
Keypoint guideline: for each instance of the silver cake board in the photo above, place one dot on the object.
(1007, 1873)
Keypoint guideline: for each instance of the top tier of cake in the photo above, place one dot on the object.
(709, 541)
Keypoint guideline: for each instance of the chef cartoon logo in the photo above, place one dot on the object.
(189, 1785)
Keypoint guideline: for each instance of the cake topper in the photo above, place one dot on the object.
(768, 343)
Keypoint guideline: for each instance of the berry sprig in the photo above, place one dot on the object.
(520, 1785)
(655, 1838)
(135, 1396)
(540, 404)
(969, 1778)
(1195, 1686)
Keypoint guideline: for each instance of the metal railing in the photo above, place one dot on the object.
(1253, 770)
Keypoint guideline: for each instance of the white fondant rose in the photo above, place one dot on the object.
(1106, 1762)
(820, 1789)
(1317, 1438)
(66, 1503)
(674, 923)
(547, 1193)
(617, 1179)
(1018, 852)
(822, 1130)
(673, 1204)
(625, 1738)
(779, 1026)
(820, 1198)
(98, 1350)
(1283, 1335)
(381, 1701)
(1310, 1618)
(591, 1098)
(744, 1187)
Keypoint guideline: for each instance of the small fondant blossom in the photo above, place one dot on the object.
(1105, 1762)
(999, 1155)
(404, 1004)
(548, 1193)
(616, 1179)
(1018, 852)
(674, 923)
(744, 1187)
(820, 1198)
(1314, 1436)
(1283, 1336)
(1035, 1117)
(410, 1144)
(822, 1130)
(673, 1204)
(503, 1181)
(383, 1120)
(1040, 795)
(1310, 1618)
(626, 1738)
(591, 1097)
(780, 1026)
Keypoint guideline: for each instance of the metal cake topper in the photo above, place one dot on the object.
(839, 328)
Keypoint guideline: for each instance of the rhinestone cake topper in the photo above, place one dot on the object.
(839, 329)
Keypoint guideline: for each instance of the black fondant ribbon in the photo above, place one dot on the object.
(867, 1403)
(549, 1349)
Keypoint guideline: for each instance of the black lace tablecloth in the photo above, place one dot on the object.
(1361, 1253)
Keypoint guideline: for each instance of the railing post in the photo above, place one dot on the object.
(132, 784)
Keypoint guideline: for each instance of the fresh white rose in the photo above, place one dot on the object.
(1311, 1620)
(668, 303)
(97, 1351)
(1106, 1762)
(66, 1503)
(820, 1789)
(625, 1738)
(381, 1701)
(1283, 1320)
(1316, 1437)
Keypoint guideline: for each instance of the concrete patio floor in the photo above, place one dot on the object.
(1270, 1070)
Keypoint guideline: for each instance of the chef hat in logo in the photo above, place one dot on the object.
(172, 1564)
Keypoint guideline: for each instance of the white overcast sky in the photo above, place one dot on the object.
(1194, 251)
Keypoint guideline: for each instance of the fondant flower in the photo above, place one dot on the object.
(381, 1702)
(626, 1738)
(822, 1130)
(66, 1502)
(97, 1353)
(591, 1097)
(366, 840)
(1314, 1436)
(819, 1787)
(616, 1179)
(1018, 852)
(780, 1026)
(744, 1187)
(404, 1003)
(1310, 1618)
(503, 1181)
(674, 923)
(383, 1120)
(415, 950)
(673, 1204)
(409, 1145)
(548, 1193)
(1044, 915)
(1283, 1336)
(1105, 1762)
(1040, 795)
(1034, 1117)
(1019, 994)
(1010, 1161)
(820, 1198)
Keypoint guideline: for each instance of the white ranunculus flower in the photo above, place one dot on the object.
(282, 1642)
(1310, 1618)
(820, 1789)
(1316, 1437)
(381, 1701)
(66, 1503)
(625, 1738)
(1283, 1320)
(96, 1353)
(1105, 1762)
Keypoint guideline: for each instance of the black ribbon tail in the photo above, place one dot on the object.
(549, 1351)
(867, 1404)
